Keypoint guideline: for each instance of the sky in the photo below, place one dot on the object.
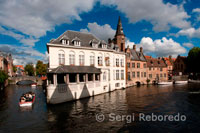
(161, 27)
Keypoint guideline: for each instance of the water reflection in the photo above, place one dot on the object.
(79, 116)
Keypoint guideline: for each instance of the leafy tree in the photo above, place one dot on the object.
(14, 68)
(29, 69)
(41, 68)
(193, 63)
(3, 76)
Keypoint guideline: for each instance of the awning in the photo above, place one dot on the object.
(75, 69)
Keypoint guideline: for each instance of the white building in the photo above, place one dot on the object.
(81, 65)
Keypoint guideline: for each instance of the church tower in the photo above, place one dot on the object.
(119, 36)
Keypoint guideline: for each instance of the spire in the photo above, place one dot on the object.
(119, 30)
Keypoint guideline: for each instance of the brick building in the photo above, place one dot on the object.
(180, 65)
(136, 66)
(157, 69)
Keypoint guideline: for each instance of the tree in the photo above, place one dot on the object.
(41, 68)
(3, 76)
(193, 63)
(14, 68)
(29, 69)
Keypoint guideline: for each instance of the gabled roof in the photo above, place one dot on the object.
(137, 56)
(154, 62)
(65, 37)
(85, 38)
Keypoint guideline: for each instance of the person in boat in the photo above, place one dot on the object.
(22, 99)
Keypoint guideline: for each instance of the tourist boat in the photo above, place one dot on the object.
(181, 82)
(27, 103)
(165, 83)
(193, 81)
(33, 84)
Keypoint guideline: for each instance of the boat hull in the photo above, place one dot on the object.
(181, 82)
(27, 104)
(165, 83)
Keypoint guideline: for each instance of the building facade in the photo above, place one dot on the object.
(6, 63)
(157, 70)
(136, 67)
(81, 65)
(180, 65)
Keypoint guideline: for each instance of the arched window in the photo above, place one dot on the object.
(81, 59)
(71, 58)
(61, 57)
(100, 59)
(92, 59)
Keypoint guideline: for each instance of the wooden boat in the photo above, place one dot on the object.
(27, 101)
(193, 81)
(165, 83)
(181, 82)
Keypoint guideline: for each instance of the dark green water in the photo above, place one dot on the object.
(80, 116)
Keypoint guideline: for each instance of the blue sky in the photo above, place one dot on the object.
(162, 28)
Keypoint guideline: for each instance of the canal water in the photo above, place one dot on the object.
(108, 112)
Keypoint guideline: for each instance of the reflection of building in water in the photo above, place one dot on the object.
(81, 65)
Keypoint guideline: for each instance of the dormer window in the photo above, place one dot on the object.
(76, 41)
(103, 44)
(65, 40)
(94, 43)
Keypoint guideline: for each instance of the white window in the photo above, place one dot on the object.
(77, 43)
(107, 61)
(72, 58)
(122, 62)
(113, 74)
(81, 60)
(104, 76)
(61, 57)
(122, 74)
(63, 41)
(100, 62)
(117, 74)
(117, 62)
(92, 60)
(104, 46)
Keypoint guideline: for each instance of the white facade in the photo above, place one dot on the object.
(112, 71)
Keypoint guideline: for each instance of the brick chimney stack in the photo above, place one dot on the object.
(141, 49)
(134, 47)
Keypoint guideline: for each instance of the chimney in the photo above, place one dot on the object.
(170, 57)
(141, 49)
(134, 47)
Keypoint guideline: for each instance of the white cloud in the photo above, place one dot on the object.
(102, 32)
(161, 47)
(23, 55)
(189, 45)
(129, 43)
(196, 10)
(161, 15)
(190, 32)
(35, 17)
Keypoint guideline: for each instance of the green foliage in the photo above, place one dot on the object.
(3, 76)
(193, 63)
(14, 68)
(29, 69)
(41, 68)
